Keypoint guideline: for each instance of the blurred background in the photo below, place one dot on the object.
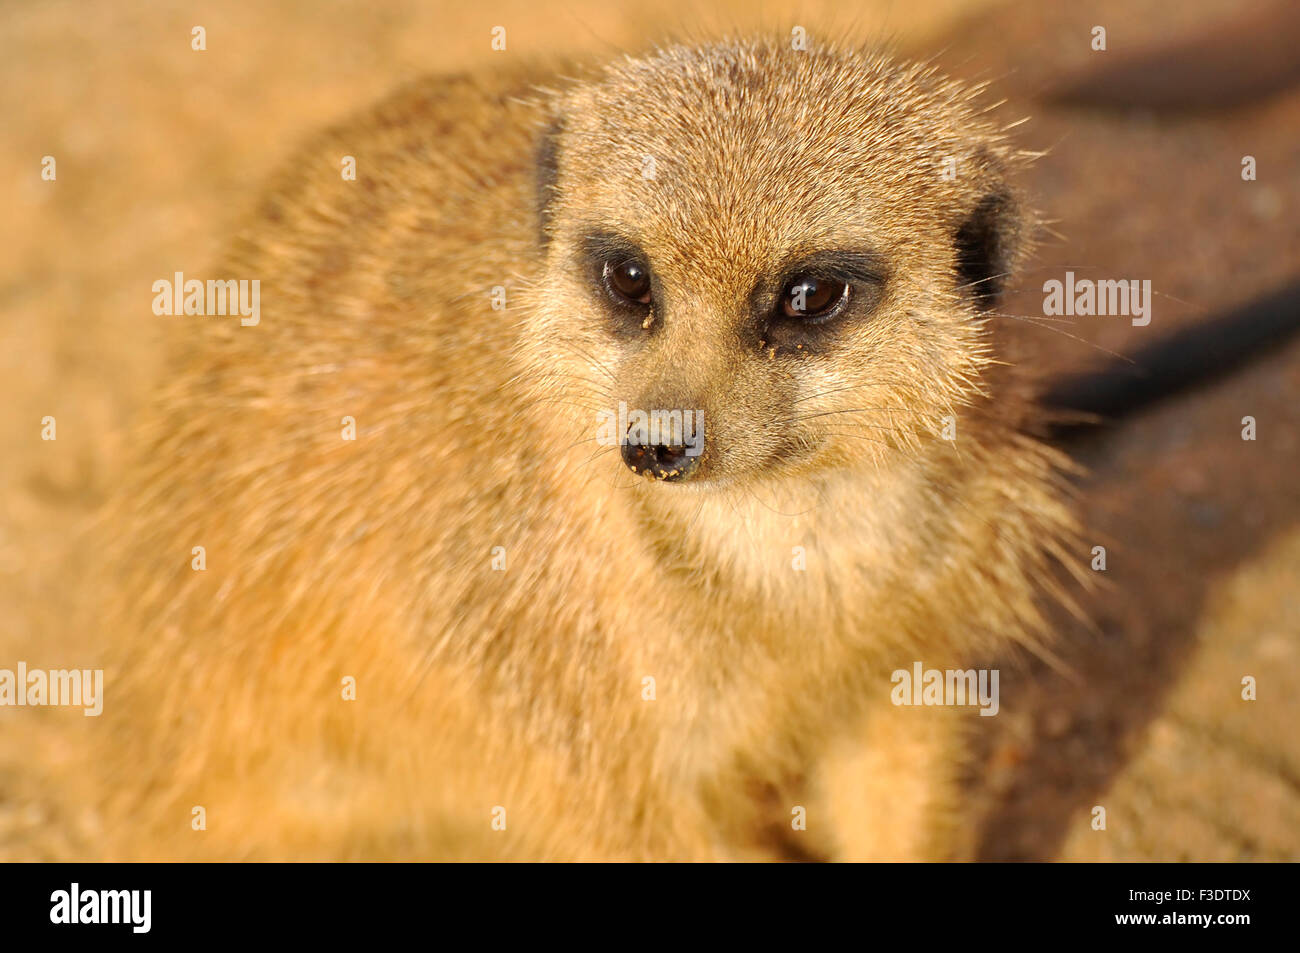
(160, 150)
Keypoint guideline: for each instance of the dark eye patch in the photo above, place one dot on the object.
(817, 290)
(621, 274)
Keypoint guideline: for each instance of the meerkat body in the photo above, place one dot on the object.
(552, 656)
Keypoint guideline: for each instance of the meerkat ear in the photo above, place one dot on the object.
(547, 159)
(987, 246)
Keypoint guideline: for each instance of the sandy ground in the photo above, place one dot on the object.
(160, 148)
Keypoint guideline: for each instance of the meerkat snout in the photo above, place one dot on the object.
(664, 444)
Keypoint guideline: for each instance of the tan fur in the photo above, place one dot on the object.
(523, 689)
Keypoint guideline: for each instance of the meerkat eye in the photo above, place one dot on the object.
(628, 282)
(814, 299)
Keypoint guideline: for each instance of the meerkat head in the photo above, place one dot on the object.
(791, 248)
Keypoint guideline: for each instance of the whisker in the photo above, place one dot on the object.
(1074, 337)
(831, 413)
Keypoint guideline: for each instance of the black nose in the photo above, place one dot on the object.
(660, 461)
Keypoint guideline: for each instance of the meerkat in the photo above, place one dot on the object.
(442, 615)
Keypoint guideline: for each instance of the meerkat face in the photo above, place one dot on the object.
(762, 261)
